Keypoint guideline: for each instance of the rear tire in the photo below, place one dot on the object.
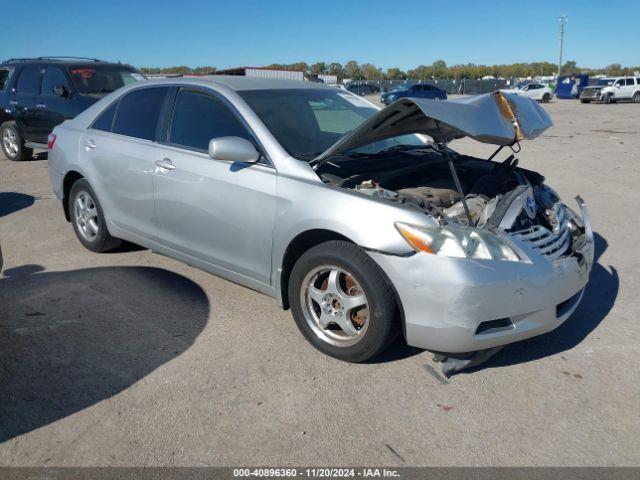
(372, 324)
(13, 143)
(87, 219)
(584, 101)
(545, 98)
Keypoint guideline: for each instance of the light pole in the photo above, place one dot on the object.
(562, 20)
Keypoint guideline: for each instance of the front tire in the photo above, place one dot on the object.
(545, 98)
(636, 97)
(87, 218)
(13, 143)
(607, 98)
(582, 100)
(342, 302)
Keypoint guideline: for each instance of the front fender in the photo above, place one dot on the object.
(369, 222)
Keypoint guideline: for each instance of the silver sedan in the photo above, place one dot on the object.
(363, 222)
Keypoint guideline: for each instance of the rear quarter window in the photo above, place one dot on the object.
(5, 76)
(139, 112)
(104, 122)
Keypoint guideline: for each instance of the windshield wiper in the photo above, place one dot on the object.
(402, 148)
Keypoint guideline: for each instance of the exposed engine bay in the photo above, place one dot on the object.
(498, 195)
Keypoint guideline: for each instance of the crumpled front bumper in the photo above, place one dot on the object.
(444, 300)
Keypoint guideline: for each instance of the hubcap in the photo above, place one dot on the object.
(86, 216)
(334, 305)
(10, 142)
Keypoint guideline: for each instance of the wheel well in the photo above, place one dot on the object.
(294, 251)
(69, 179)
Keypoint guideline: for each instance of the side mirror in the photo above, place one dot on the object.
(60, 91)
(233, 149)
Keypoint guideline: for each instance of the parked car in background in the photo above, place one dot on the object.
(418, 90)
(609, 90)
(345, 213)
(36, 94)
(363, 89)
(535, 91)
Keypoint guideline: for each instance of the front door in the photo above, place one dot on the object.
(220, 213)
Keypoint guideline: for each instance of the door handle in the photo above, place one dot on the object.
(41, 105)
(165, 163)
(13, 102)
(90, 145)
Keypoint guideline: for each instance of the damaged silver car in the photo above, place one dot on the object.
(364, 222)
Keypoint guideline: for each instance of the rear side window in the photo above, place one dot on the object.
(105, 121)
(5, 75)
(29, 80)
(198, 117)
(139, 113)
(53, 77)
(630, 81)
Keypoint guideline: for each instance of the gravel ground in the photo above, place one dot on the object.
(131, 358)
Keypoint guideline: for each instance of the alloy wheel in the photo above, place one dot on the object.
(335, 305)
(86, 216)
(10, 142)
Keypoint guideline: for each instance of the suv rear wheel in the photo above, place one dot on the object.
(343, 302)
(13, 143)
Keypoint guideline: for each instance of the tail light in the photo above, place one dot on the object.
(51, 140)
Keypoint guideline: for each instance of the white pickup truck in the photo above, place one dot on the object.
(609, 90)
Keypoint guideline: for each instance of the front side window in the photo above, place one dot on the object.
(198, 117)
(101, 79)
(619, 83)
(139, 112)
(5, 75)
(630, 81)
(29, 80)
(53, 77)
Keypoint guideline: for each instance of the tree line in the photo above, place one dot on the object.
(438, 70)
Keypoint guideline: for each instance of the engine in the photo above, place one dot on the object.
(498, 195)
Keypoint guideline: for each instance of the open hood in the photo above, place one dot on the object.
(498, 118)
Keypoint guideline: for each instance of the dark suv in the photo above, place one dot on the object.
(36, 94)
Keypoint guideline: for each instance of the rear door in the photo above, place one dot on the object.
(24, 101)
(120, 148)
(629, 87)
(55, 105)
(219, 212)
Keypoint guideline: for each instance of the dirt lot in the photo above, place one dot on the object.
(131, 358)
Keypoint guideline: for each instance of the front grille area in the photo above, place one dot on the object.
(590, 93)
(547, 243)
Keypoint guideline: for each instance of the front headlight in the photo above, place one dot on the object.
(460, 242)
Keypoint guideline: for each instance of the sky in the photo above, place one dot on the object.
(388, 33)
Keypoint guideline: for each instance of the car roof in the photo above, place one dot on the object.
(65, 61)
(241, 83)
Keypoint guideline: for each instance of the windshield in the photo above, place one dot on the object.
(605, 81)
(307, 122)
(101, 79)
